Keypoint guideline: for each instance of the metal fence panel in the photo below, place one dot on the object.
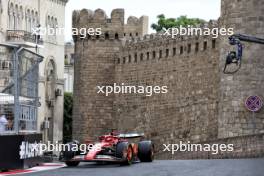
(19, 101)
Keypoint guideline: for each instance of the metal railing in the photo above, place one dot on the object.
(23, 36)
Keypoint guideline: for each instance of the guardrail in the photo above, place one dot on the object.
(23, 36)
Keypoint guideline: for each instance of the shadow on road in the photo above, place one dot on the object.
(99, 165)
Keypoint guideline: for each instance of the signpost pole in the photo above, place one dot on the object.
(254, 123)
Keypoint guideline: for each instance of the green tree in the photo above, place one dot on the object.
(166, 23)
(67, 117)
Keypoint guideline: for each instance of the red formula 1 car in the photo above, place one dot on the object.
(110, 148)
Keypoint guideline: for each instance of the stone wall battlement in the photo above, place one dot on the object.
(86, 16)
(111, 26)
(162, 47)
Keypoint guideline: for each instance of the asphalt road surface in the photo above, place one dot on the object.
(243, 167)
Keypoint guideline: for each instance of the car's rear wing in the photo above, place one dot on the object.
(131, 135)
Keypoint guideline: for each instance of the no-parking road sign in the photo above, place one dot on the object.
(254, 103)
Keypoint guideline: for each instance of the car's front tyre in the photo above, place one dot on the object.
(70, 153)
(124, 151)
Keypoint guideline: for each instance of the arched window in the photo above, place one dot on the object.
(16, 18)
(1, 10)
(56, 22)
(33, 21)
(11, 16)
(52, 24)
(51, 76)
(55, 26)
(37, 18)
(28, 20)
(48, 22)
(20, 18)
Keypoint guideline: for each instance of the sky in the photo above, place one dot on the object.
(204, 9)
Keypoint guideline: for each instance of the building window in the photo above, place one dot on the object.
(106, 35)
(167, 52)
(129, 59)
(52, 22)
(21, 16)
(116, 36)
(153, 54)
(27, 21)
(174, 51)
(196, 47)
(124, 60)
(147, 55)
(118, 60)
(11, 12)
(181, 50)
(205, 46)
(189, 49)
(108, 20)
(16, 18)
(33, 21)
(1, 10)
(213, 44)
(135, 58)
(141, 57)
(160, 54)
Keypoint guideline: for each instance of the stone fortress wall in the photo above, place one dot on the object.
(95, 65)
(195, 107)
(189, 67)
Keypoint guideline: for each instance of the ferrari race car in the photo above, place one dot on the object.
(110, 148)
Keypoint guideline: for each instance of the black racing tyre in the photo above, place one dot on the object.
(146, 151)
(69, 154)
(124, 151)
(72, 163)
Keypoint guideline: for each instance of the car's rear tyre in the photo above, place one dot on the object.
(124, 151)
(72, 163)
(146, 151)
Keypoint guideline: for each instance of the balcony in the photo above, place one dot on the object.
(23, 38)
